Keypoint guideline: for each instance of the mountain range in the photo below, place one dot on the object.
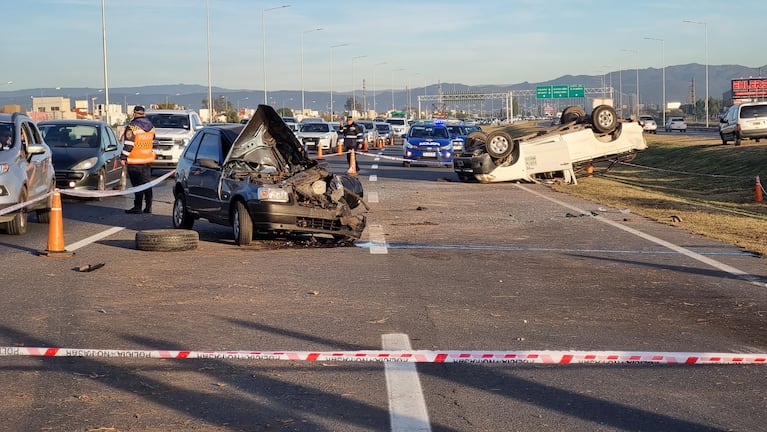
(682, 82)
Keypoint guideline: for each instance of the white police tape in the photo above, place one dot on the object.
(415, 356)
(82, 193)
(393, 158)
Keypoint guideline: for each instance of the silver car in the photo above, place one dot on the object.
(26, 173)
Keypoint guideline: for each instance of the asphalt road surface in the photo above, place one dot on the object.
(442, 266)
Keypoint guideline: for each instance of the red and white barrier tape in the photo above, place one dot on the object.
(510, 357)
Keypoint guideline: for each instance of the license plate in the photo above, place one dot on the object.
(429, 154)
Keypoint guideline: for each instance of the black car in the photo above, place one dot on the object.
(258, 179)
(86, 154)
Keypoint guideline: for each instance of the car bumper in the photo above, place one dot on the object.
(76, 180)
(292, 218)
(481, 164)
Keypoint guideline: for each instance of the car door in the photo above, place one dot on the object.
(110, 149)
(204, 176)
(39, 168)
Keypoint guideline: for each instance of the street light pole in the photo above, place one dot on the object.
(210, 83)
(705, 29)
(104, 49)
(354, 84)
(303, 106)
(392, 86)
(331, 77)
(663, 64)
(263, 39)
(374, 84)
(636, 111)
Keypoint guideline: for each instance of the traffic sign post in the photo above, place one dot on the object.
(576, 91)
(559, 91)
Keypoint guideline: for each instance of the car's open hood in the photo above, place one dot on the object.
(267, 140)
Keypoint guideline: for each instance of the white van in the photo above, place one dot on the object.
(744, 121)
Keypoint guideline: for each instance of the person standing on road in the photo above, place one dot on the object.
(352, 135)
(137, 151)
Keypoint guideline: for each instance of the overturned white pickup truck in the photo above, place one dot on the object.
(579, 139)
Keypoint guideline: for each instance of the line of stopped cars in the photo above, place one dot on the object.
(579, 139)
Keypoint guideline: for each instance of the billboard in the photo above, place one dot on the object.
(749, 88)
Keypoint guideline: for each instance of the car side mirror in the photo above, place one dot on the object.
(35, 149)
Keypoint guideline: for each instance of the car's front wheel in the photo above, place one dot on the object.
(181, 217)
(242, 224)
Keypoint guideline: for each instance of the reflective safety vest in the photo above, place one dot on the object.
(141, 153)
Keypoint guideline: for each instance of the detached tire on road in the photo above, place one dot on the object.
(167, 240)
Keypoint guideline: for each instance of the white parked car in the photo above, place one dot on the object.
(580, 139)
(317, 134)
(172, 131)
(676, 123)
(648, 124)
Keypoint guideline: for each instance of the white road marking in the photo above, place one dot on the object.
(92, 239)
(377, 240)
(407, 407)
(374, 166)
(373, 178)
(696, 256)
(372, 197)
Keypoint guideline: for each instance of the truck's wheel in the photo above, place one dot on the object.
(604, 119)
(473, 139)
(571, 114)
(499, 144)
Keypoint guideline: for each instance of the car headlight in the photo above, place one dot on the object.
(273, 194)
(86, 164)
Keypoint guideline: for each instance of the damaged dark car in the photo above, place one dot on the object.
(258, 179)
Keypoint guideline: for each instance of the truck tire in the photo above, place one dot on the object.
(571, 114)
(604, 119)
(499, 144)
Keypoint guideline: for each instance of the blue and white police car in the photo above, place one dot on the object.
(427, 141)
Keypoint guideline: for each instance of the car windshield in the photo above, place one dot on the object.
(400, 122)
(753, 111)
(315, 127)
(428, 132)
(170, 121)
(383, 127)
(70, 135)
(456, 130)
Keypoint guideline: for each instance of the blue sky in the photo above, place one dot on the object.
(58, 43)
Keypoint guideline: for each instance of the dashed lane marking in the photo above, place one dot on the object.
(407, 407)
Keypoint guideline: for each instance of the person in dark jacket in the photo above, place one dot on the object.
(137, 151)
(352, 138)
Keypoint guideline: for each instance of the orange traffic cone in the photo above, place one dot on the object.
(365, 145)
(319, 151)
(758, 190)
(590, 170)
(56, 230)
(340, 146)
(352, 163)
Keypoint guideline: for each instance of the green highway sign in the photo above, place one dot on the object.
(543, 92)
(575, 91)
(559, 91)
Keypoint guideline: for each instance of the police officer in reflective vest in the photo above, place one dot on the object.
(137, 151)
(351, 133)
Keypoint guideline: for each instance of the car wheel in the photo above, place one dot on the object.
(102, 181)
(44, 215)
(181, 217)
(406, 164)
(18, 225)
(242, 224)
(499, 144)
(167, 240)
(571, 114)
(123, 179)
(604, 119)
(737, 139)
